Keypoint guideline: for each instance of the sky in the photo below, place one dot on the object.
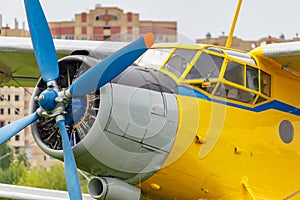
(257, 19)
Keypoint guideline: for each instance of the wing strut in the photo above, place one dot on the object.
(237, 10)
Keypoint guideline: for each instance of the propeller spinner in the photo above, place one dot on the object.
(53, 101)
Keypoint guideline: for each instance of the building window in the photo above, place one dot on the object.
(117, 38)
(83, 17)
(17, 98)
(158, 38)
(1, 97)
(8, 111)
(17, 150)
(17, 111)
(17, 138)
(69, 37)
(106, 38)
(129, 38)
(8, 98)
(2, 123)
(129, 17)
(28, 152)
(2, 111)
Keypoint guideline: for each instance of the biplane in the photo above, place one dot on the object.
(159, 121)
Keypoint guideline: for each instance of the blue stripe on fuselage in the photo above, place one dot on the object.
(274, 104)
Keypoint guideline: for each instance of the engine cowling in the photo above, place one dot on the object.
(125, 129)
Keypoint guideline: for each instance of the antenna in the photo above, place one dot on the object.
(237, 10)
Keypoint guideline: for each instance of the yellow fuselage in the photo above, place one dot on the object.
(225, 149)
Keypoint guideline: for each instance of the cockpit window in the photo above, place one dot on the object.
(206, 67)
(252, 78)
(154, 58)
(179, 61)
(233, 93)
(265, 83)
(241, 80)
(235, 72)
(219, 72)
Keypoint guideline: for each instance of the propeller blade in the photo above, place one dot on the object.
(111, 66)
(15, 127)
(70, 164)
(42, 40)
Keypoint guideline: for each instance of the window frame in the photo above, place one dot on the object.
(196, 59)
(258, 98)
(191, 62)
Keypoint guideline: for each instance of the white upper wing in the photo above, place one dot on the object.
(286, 55)
(18, 64)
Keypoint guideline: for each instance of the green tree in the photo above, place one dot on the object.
(6, 156)
(53, 178)
(22, 158)
(42, 178)
(13, 174)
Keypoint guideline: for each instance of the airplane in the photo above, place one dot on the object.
(159, 121)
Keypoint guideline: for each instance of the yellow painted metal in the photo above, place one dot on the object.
(248, 188)
(168, 57)
(229, 39)
(154, 186)
(270, 165)
(258, 52)
(219, 144)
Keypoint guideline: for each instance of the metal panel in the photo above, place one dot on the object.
(145, 116)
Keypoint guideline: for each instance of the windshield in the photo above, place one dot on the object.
(179, 61)
(153, 58)
(206, 67)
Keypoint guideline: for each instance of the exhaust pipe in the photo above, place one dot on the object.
(112, 189)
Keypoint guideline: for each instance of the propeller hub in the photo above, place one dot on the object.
(47, 99)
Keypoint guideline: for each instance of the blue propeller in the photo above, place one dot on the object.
(90, 81)
(12, 129)
(110, 67)
(42, 40)
(69, 161)
(47, 61)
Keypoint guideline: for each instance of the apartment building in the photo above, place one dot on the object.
(113, 24)
(14, 104)
(245, 45)
(15, 32)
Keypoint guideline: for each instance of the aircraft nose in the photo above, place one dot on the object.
(135, 127)
(144, 107)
